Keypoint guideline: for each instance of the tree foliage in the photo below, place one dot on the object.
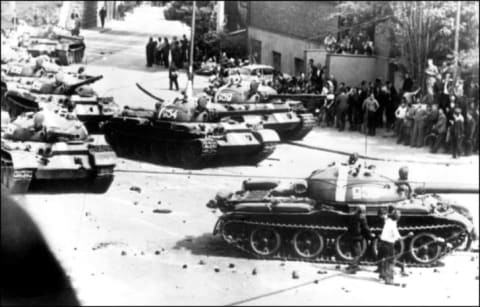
(421, 29)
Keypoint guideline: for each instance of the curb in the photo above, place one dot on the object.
(376, 158)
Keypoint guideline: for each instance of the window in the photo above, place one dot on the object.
(277, 60)
(299, 66)
(256, 51)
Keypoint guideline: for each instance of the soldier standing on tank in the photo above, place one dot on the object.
(358, 230)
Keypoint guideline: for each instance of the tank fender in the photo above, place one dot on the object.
(268, 135)
(102, 155)
(23, 160)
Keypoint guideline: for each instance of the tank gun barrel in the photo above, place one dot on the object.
(76, 38)
(221, 114)
(443, 188)
(71, 88)
(302, 97)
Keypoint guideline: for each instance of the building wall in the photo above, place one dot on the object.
(302, 19)
(353, 69)
(289, 47)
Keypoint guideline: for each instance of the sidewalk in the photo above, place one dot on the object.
(380, 147)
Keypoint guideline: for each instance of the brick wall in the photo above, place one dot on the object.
(300, 19)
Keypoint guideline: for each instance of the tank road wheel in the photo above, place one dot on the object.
(158, 152)
(173, 154)
(308, 243)
(424, 248)
(191, 154)
(265, 241)
(100, 185)
(265, 152)
(343, 247)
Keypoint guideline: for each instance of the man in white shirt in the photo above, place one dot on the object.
(400, 115)
(388, 238)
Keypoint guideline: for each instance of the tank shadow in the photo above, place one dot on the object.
(58, 186)
(210, 245)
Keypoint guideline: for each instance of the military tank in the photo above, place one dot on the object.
(289, 119)
(176, 133)
(45, 147)
(307, 219)
(77, 97)
(54, 42)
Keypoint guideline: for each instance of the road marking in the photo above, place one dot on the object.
(283, 290)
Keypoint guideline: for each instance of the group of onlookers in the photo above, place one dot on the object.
(359, 43)
(444, 117)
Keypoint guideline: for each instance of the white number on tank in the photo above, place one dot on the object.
(225, 97)
(357, 192)
(37, 86)
(16, 70)
(169, 114)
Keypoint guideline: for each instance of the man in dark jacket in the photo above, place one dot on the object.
(407, 83)
(358, 230)
(342, 107)
(103, 14)
(469, 133)
(150, 52)
(440, 130)
(457, 133)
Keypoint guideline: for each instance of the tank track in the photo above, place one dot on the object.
(169, 152)
(330, 234)
(306, 125)
(267, 150)
(7, 180)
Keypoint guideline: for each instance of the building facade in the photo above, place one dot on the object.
(279, 32)
(286, 35)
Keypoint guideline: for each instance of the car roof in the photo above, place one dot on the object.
(253, 66)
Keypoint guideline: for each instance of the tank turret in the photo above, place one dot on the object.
(265, 216)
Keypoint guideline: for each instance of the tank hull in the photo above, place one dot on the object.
(65, 51)
(34, 165)
(189, 145)
(300, 221)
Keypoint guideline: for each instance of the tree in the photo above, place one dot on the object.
(422, 29)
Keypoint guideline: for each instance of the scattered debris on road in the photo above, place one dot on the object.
(162, 211)
(136, 189)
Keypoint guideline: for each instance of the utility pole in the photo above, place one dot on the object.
(189, 89)
(457, 34)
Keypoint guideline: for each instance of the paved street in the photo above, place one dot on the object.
(119, 252)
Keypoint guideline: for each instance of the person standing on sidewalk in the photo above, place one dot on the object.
(370, 105)
(102, 14)
(150, 52)
(173, 76)
(457, 133)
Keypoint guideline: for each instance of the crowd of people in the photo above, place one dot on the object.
(444, 117)
(359, 43)
(166, 53)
